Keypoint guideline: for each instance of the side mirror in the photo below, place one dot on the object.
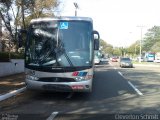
(96, 38)
(102, 55)
(20, 37)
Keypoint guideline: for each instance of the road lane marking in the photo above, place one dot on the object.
(22, 83)
(120, 73)
(52, 116)
(12, 93)
(139, 92)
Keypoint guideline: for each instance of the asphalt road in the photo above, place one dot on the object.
(112, 95)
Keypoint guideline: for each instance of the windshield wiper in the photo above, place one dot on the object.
(59, 49)
(60, 46)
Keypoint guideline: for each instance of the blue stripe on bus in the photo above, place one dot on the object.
(82, 74)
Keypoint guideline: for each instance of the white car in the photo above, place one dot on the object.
(104, 59)
(157, 60)
(140, 59)
(97, 61)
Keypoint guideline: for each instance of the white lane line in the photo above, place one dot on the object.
(52, 116)
(12, 93)
(139, 92)
(22, 83)
(120, 73)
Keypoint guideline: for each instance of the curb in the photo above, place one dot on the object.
(12, 93)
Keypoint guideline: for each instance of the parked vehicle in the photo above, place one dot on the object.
(59, 54)
(157, 57)
(157, 60)
(104, 59)
(114, 59)
(149, 57)
(140, 59)
(97, 56)
(126, 62)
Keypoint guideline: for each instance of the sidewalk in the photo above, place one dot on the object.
(12, 82)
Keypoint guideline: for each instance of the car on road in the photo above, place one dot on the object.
(97, 60)
(157, 60)
(126, 62)
(114, 59)
(140, 59)
(104, 59)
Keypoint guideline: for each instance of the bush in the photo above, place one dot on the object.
(4, 56)
(17, 56)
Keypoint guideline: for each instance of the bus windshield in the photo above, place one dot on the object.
(59, 44)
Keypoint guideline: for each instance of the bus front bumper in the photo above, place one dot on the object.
(83, 86)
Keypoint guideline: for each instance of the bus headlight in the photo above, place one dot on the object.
(78, 78)
(31, 77)
(30, 74)
(83, 78)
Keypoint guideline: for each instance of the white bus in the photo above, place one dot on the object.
(59, 54)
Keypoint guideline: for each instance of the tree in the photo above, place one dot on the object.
(17, 13)
(155, 47)
(8, 15)
(117, 51)
(152, 38)
(134, 49)
(106, 48)
(31, 9)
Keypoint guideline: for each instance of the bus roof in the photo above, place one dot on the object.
(68, 18)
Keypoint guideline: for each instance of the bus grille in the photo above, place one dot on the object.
(56, 79)
(58, 88)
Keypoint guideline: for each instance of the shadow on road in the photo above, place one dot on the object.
(111, 95)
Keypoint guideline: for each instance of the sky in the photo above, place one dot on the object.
(117, 21)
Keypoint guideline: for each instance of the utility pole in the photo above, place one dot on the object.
(140, 42)
(76, 7)
(135, 48)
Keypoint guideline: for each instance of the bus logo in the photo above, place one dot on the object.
(63, 25)
(79, 73)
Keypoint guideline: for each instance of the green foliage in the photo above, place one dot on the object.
(17, 56)
(5, 7)
(134, 48)
(152, 39)
(106, 48)
(155, 47)
(35, 9)
(4, 56)
(117, 51)
(151, 42)
(22, 11)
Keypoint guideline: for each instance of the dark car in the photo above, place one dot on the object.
(126, 62)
